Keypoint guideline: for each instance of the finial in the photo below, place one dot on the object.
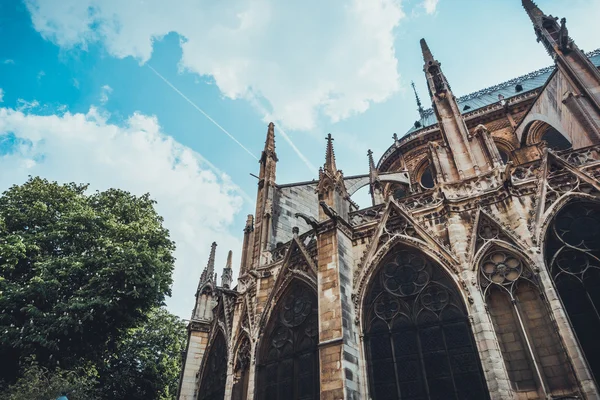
(330, 156)
(295, 231)
(427, 56)
(419, 106)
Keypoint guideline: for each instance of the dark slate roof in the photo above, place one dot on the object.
(485, 97)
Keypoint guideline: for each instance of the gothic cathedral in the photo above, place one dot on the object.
(474, 275)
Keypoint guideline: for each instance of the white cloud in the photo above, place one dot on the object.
(302, 58)
(8, 61)
(104, 92)
(40, 75)
(76, 83)
(1, 95)
(430, 5)
(198, 204)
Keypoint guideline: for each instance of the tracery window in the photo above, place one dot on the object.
(573, 258)
(212, 386)
(241, 369)
(289, 361)
(523, 327)
(417, 334)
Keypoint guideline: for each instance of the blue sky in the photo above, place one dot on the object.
(80, 99)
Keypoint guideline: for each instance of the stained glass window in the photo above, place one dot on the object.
(289, 362)
(418, 338)
(573, 258)
(212, 386)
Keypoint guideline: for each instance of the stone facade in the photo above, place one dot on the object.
(475, 274)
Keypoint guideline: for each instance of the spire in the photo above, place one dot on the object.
(209, 270)
(270, 142)
(419, 106)
(330, 156)
(427, 56)
(371, 162)
(534, 12)
(227, 276)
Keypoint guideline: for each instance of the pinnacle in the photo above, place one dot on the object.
(371, 162)
(210, 267)
(533, 11)
(427, 56)
(330, 156)
(270, 142)
(229, 256)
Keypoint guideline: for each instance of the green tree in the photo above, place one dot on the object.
(40, 383)
(147, 361)
(77, 271)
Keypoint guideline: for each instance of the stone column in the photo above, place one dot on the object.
(338, 337)
(198, 333)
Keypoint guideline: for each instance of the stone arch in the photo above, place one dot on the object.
(366, 274)
(533, 352)
(287, 358)
(417, 331)
(562, 201)
(535, 126)
(505, 148)
(571, 251)
(501, 244)
(213, 372)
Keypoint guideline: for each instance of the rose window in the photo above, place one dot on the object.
(502, 268)
(406, 274)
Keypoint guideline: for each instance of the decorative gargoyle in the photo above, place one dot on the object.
(308, 219)
(330, 212)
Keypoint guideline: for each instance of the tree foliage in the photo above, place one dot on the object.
(147, 361)
(40, 383)
(77, 271)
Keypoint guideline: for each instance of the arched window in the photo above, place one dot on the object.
(288, 366)
(241, 367)
(532, 350)
(573, 258)
(417, 333)
(556, 140)
(212, 385)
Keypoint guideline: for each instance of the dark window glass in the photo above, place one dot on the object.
(504, 155)
(289, 362)
(572, 255)
(418, 338)
(556, 140)
(212, 386)
(427, 178)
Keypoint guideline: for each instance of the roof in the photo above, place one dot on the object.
(508, 89)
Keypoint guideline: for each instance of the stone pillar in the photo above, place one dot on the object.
(490, 354)
(198, 333)
(338, 337)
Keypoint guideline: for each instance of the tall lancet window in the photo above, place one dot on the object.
(418, 339)
(214, 373)
(533, 353)
(573, 259)
(288, 365)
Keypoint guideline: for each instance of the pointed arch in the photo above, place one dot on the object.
(572, 255)
(214, 368)
(417, 334)
(533, 352)
(287, 358)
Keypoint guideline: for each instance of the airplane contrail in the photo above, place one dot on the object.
(310, 165)
(202, 111)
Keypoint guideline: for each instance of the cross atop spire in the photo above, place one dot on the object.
(330, 156)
